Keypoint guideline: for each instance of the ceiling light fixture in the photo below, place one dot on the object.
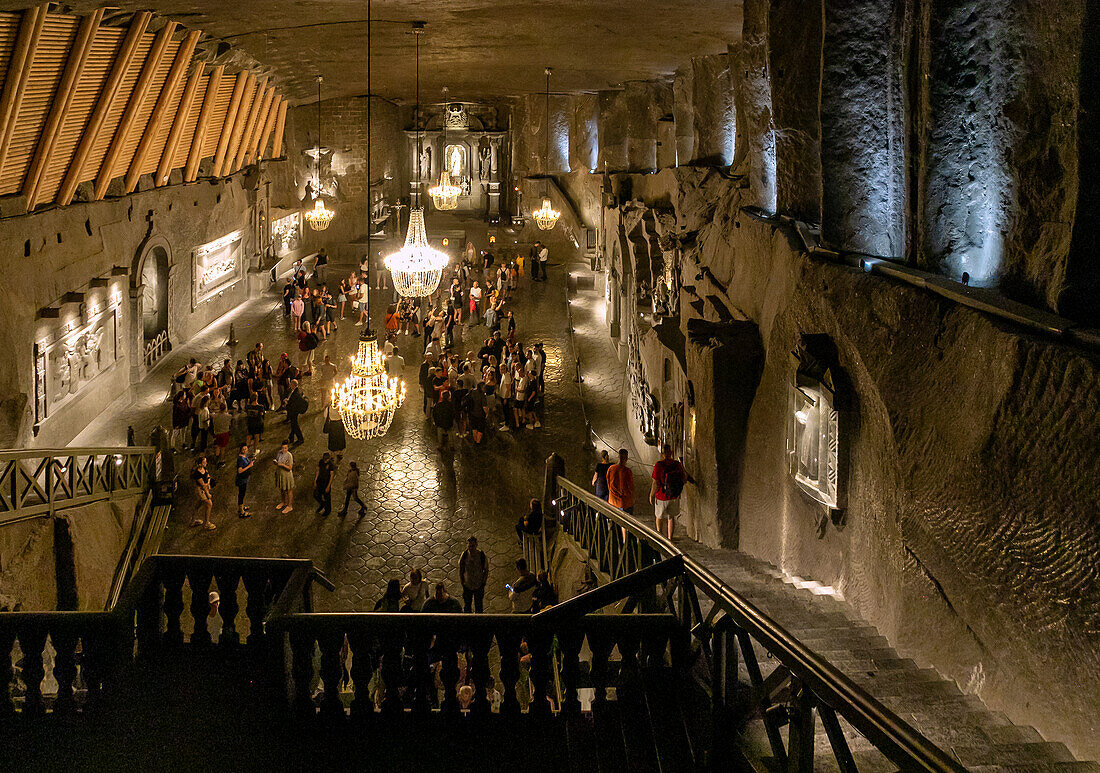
(368, 399)
(320, 216)
(546, 217)
(417, 267)
(445, 195)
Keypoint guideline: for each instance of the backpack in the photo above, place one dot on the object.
(297, 403)
(311, 341)
(672, 484)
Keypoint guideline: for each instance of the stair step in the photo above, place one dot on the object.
(1041, 767)
(1011, 754)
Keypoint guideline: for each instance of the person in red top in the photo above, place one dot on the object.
(620, 484)
(669, 477)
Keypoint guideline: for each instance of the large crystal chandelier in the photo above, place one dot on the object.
(546, 217)
(320, 216)
(445, 195)
(368, 398)
(417, 267)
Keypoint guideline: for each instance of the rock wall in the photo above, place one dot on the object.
(344, 133)
(55, 252)
(968, 529)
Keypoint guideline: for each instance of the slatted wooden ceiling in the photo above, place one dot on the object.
(85, 103)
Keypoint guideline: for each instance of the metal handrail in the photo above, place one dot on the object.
(894, 737)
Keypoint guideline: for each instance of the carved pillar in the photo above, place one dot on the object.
(137, 334)
(712, 105)
(863, 128)
(795, 30)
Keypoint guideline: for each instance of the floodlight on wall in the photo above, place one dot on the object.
(417, 267)
(546, 217)
(320, 216)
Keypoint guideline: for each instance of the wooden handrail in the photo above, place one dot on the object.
(894, 737)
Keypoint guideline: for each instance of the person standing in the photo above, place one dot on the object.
(289, 291)
(296, 405)
(202, 487)
(475, 304)
(473, 571)
(254, 421)
(297, 308)
(441, 602)
(337, 435)
(533, 258)
(599, 477)
(620, 484)
(320, 266)
(351, 490)
(221, 425)
(284, 479)
(443, 415)
(544, 260)
(522, 590)
(322, 484)
(415, 592)
(668, 479)
(244, 471)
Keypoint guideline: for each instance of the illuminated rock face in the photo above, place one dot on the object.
(969, 534)
(863, 145)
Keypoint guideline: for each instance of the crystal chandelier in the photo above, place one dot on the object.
(445, 195)
(546, 217)
(417, 267)
(368, 398)
(320, 216)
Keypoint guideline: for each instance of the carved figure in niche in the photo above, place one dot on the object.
(426, 162)
(465, 186)
(454, 162)
(485, 164)
(65, 372)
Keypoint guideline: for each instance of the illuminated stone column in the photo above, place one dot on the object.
(863, 136)
(714, 121)
(754, 149)
(794, 37)
(970, 189)
(584, 133)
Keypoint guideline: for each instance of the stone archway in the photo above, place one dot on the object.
(149, 316)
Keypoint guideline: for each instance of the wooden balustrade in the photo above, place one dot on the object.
(90, 647)
(623, 548)
(38, 483)
(419, 662)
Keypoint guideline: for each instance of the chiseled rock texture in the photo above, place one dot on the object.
(863, 145)
(794, 51)
(972, 450)
(712, 101)
(754, 153)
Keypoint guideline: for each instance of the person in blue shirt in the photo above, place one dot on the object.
(244, 470)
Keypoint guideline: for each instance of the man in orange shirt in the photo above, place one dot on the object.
(620, 484)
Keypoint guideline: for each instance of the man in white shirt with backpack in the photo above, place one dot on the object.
(669, 477)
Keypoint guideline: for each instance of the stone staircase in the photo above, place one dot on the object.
(982, 740)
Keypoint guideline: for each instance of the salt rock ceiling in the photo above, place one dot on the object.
(477, 48)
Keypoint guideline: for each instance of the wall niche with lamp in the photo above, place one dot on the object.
(817, 426)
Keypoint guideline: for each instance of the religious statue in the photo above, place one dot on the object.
(455, 162)
(426, 162)
(485, 171)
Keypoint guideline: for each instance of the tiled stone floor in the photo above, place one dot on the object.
(421, 505)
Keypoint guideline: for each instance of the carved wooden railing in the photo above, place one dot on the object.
(89, 649)
(35, 483)
(509, 656)
(622, 547)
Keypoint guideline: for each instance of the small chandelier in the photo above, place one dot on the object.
(445, 195)
(417, 267)
(368, 362)
(546, 217)
(320, 216)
